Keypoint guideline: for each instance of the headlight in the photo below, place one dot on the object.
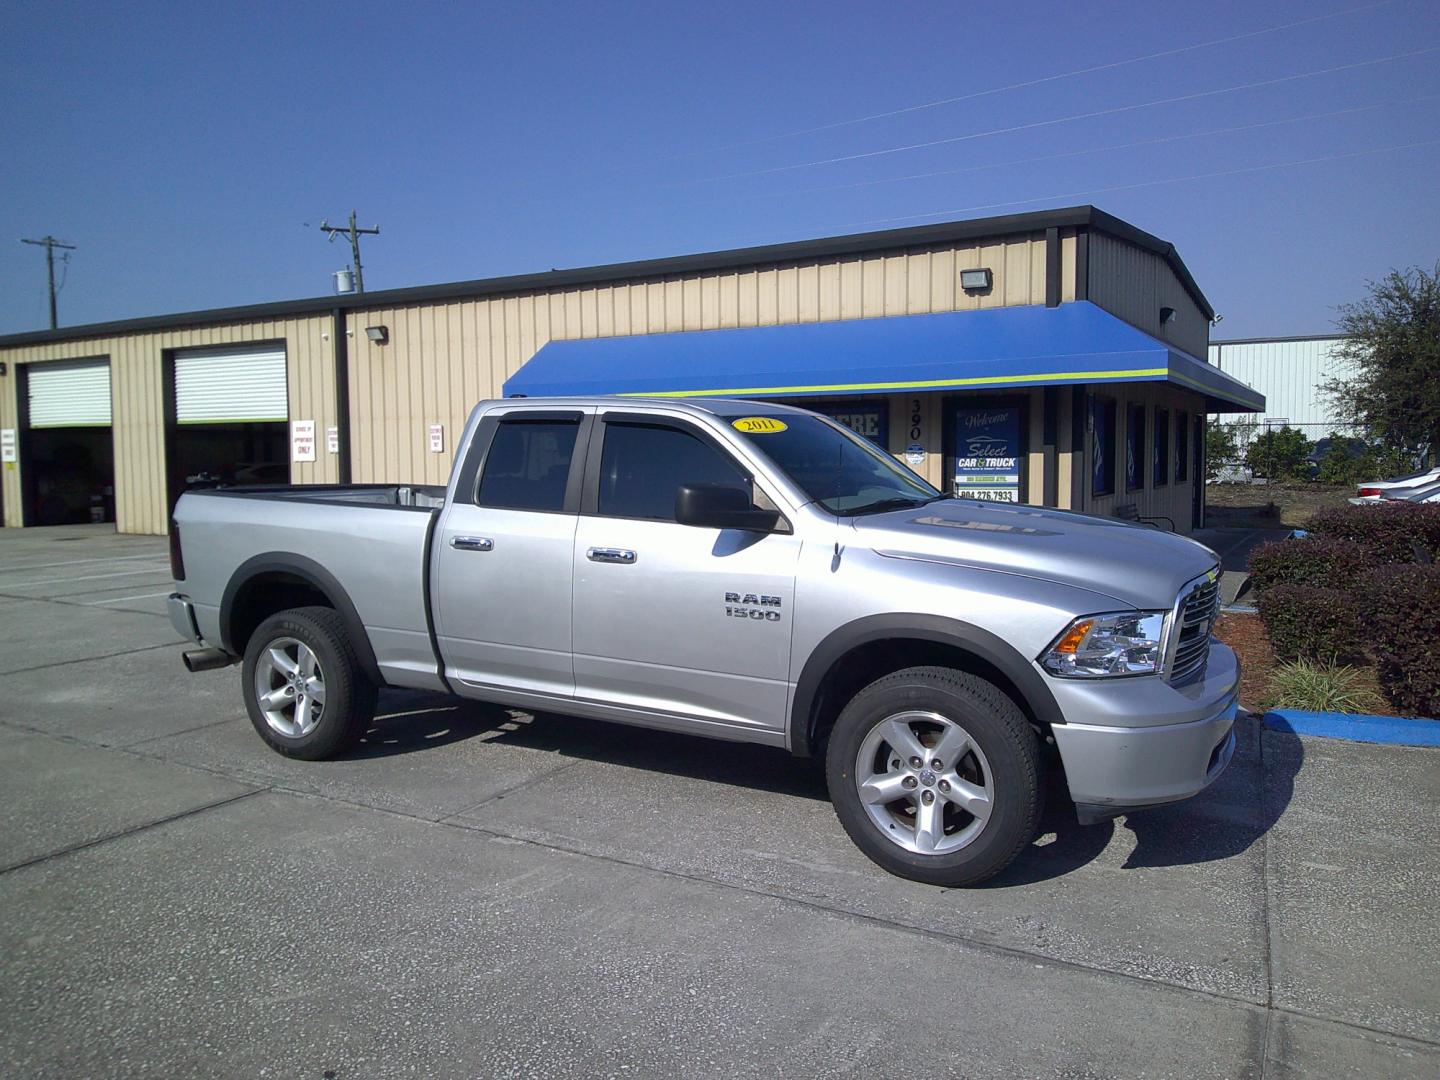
(1126, 643)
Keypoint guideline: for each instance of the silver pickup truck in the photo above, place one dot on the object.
(742, 571)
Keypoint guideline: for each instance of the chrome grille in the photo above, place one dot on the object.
(1195, 616)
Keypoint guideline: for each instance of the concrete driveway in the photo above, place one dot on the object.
(479, 892)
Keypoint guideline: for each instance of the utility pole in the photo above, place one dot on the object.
(49, 243)
(354, 234)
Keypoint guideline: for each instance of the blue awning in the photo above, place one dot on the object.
(959, 350)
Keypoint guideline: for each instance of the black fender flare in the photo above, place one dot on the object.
(284, 562)
(982, 644)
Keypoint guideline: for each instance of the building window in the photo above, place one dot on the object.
(643, 466)
(1182, 447)
(1102, 445)
(1134, 446)
(868, 418)
(1160, 461)
(528, 465)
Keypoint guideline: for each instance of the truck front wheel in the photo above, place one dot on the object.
(935, 775)
(304, 689)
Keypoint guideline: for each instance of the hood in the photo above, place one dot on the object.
(1135, 564)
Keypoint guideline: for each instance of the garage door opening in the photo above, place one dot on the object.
(67, 454)
(228, 416)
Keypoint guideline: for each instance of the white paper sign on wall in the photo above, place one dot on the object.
(302, 440)
(437, 438)
(7, 446)
(332, 440)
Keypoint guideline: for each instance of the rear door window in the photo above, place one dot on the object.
(528, 465)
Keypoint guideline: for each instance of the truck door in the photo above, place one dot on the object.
(688, 622)
(503, 555)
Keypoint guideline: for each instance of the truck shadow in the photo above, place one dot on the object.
(1222, 822)
(408, 722)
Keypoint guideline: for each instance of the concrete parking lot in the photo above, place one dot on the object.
(479, 892)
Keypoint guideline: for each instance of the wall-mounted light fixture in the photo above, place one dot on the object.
(1167, 315)
(980, 280)
(378, 335)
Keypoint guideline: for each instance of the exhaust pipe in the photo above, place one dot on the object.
(206, 659)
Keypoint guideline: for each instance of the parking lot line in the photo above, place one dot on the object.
(82, 577)
(77, 562)
(122, 599)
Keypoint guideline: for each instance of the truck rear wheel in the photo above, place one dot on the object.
(304, 689)
(935, 775)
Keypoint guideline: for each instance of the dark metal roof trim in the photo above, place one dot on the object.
(802, 250)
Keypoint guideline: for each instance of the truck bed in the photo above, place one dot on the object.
(370, 541)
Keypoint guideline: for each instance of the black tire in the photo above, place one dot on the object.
(349, 703)
(996, 727)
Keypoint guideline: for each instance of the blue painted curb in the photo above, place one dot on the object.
(1372, 729)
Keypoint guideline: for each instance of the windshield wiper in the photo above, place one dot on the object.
(897, 503)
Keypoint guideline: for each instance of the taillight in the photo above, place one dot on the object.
(1369, 492)
(177, 562)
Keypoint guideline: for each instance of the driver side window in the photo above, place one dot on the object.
(643, 465)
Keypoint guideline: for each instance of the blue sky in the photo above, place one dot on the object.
(183, 149)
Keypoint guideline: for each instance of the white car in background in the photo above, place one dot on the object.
(1416, 487)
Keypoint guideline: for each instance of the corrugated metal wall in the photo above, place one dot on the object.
(1135, 284)
(138, 404)
(1289, 374)
(442, 358)
(1172, 500)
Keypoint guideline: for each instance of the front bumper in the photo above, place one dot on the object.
(182, 617)
(1141, 742)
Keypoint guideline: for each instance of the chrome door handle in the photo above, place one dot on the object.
(472, 543)
(620, 555)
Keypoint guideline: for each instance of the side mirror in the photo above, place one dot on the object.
(721, 506)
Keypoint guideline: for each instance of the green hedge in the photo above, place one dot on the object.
(1401, 609)
(1320, 560)
(1308, 622)
(1394, 530)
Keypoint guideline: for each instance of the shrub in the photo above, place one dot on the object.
(1323, 561)
(1279, 455)
(1401, 612)
(1302, 684)
(1393, 529)
(1312, 623)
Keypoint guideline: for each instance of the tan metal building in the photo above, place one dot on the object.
(376, 387)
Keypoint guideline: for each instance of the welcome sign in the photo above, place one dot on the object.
(987, 454)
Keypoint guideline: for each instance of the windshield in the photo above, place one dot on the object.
(841, 471)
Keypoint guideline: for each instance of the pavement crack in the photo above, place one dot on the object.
(995, 948)
(122, 833)
(97, 656)
(1266, 936)
(449, 818)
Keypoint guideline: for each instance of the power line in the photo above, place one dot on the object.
(1105, 149)
(1146, 183)
(1065, 119)
(49, 243)
(1043, 80)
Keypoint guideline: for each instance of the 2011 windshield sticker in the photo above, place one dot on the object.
(758, 425)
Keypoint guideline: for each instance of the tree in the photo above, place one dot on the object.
(1279, 455)
(1226, 446)
(1393, 344)
(1350, 461)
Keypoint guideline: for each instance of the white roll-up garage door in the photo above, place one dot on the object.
(75, 393)
(230, 386)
